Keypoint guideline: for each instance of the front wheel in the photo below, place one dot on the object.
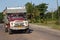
(27, 30)
(10, 31)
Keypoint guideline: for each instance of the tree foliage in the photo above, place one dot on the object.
(42, 7)
(29, 8)
(34, 11)
(1, 16)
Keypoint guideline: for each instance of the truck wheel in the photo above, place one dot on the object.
(10, 31)
(6, 30)
(27, 30)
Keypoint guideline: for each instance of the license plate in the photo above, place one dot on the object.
(19, 26)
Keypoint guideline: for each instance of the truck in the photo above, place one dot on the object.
(15, 19)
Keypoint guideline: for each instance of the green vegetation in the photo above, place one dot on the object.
(36, 12)
(1, 17)
(40, 15)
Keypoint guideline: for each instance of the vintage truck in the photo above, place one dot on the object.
(15, 19)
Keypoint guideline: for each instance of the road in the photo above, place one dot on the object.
(37, 33)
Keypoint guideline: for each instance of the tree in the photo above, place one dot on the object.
(57, 15)
(49, 15)
(29, 8)
(42, 8)
(58, 12)
(1, 17)
(36, 13)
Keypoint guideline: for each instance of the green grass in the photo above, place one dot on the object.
(50, 24)
(56, 27)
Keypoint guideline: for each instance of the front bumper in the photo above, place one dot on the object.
(18, 28)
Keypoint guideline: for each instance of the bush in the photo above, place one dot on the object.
(1, 17)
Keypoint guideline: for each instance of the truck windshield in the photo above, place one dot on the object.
(17, 15)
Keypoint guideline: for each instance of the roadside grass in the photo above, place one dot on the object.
(51, 24)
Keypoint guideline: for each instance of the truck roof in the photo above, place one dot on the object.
(15, 10)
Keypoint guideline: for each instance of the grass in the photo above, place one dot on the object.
(50, 24)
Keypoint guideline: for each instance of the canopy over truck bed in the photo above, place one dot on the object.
(14, 10)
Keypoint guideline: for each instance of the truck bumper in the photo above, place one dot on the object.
(19, 28)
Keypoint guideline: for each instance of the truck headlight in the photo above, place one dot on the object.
(26, 23)
(11, 24)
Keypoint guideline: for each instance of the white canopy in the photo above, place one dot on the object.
(16, 10)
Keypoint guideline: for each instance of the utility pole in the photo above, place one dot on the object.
(58, 20)
(52, 14)
(57, 9)
(31, 12)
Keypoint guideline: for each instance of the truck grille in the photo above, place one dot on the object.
(20, 24)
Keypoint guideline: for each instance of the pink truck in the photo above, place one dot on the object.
(15, 19)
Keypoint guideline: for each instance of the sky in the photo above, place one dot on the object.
(52, 4)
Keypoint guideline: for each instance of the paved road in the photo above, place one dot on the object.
(37, 33)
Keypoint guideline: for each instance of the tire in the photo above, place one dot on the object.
(10, 31)
(6, 30)
(27, 30)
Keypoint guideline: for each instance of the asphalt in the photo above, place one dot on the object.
(37, 32)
